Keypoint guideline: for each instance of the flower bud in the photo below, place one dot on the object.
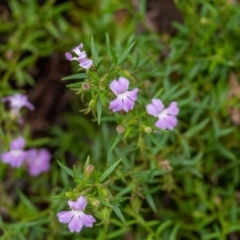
(94, 202)
(89, 169)
(165, 165)
(86, 86)
(120, 129)
(148, 129)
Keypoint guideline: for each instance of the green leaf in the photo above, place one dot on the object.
(74, 85)
(26, 201)
(116, 141)
(163, 226)
(173, 235)
(194, 130)
(127, 189)
(105, 203)
(125, 54)
(108, 45)
(75, 76)
(151, 202)
(66, 169)
(114, 56)
(87, 162)
(109, 171)
(69, 171)
(93, 76)
(118, 212)
(94, 52)
(99, 110)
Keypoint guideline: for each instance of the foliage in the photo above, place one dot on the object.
(146, 183)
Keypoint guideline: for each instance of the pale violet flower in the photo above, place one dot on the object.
(76, 218)
(38, 161)
(125, 99)
(84, 62)
(17, 102)
(166, 117)
(16, 155)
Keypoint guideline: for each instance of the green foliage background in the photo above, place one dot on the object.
(198, 198)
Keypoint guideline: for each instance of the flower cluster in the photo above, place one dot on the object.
(126, 99)
(76, 218)
(37, 160)
(84, 62)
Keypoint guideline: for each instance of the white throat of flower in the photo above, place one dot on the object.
(162, 114)
(122, 95)
(77, 212)
(16, 152)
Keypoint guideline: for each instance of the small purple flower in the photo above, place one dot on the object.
(18, 101)
(84, 62)
(38, 161)
(76, 218)
(166, 117)
(16, 155)
(125, 99)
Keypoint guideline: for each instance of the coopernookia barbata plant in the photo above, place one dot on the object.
(102, 83)
(158, 116)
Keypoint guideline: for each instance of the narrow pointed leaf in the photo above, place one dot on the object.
(109, 171)
(125, 54)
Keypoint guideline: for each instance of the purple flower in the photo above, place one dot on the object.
(18, 101)
(16, 155)
(76, 218)
(166, 117)
(84, 62)
(125, 99)
(38, 161)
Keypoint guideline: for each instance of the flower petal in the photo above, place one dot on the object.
(38, 161)
(116, 104)
(172, 122)
(77, 49)
(18, 143)
(158, 104)
(82, 55)
(75, 224)
(114, 87)
(68, 56)
(119, 86)
(161, 123)
(29, 106)
(166, 122)
(128, 104)
(172, 109)
(65, 216)
(85, 63)
(152, 110)
(14, 157)
(80, 204)
(123, 84)
(87, 220)
(132, 94)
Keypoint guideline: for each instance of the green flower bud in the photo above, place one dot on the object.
(120, 129)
